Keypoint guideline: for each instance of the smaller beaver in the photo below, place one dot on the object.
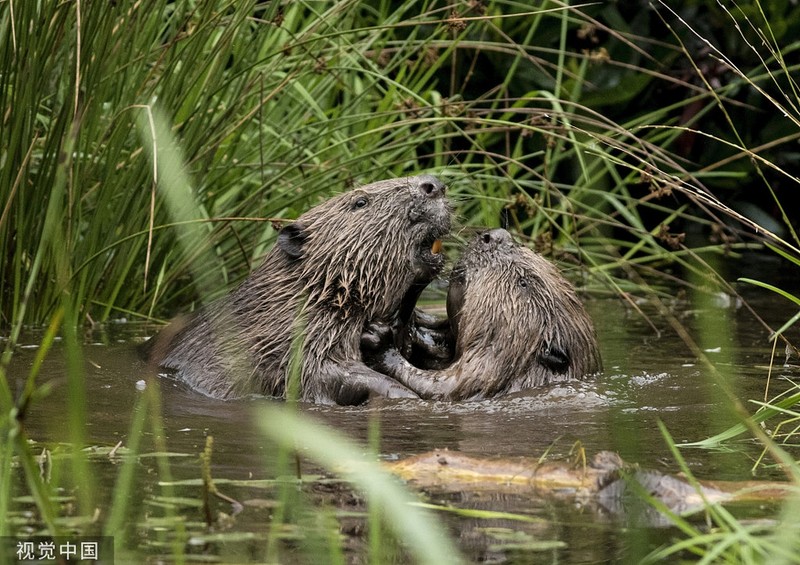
(362, 255)
(516, 321)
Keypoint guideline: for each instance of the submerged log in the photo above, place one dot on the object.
(605, 479)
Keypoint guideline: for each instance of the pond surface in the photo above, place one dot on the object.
(647, 378)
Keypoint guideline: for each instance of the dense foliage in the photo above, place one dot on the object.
(607, 129)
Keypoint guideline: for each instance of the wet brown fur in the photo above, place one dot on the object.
(346, 261)
(517, 324)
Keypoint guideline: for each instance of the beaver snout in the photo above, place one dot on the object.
(429, 204)
(497, 236)
(430, 186)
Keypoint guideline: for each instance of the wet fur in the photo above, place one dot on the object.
(349, 260)
(517, 324)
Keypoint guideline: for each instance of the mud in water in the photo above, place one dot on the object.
(647, 378)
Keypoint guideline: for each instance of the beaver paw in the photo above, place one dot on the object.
(377, 336)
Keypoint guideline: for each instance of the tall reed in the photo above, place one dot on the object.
(276, 107)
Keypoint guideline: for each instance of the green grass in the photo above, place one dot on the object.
(148, 148)
(275, 109)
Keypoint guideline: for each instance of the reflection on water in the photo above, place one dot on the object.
(647, 378)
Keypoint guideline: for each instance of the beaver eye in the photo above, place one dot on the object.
(487, 237)
(360, 202)
(523, 282)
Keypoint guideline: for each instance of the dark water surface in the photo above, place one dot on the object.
(647, 378)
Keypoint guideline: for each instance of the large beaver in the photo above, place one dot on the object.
(356, 257)
(516, 322)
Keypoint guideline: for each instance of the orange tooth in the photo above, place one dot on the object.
(436, 247)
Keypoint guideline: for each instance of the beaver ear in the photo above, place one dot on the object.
(554, 359)
(291, 240)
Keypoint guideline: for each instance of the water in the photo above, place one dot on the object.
(647, 378)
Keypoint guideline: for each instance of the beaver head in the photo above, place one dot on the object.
(363, 250)
(506, 299)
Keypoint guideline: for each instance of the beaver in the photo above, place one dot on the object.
(362, 255)
(516, 323)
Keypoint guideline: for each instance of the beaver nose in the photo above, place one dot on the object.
(498, 235)
(430, 186)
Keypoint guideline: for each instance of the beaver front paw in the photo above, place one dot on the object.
(377, 337)
(429, 347)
